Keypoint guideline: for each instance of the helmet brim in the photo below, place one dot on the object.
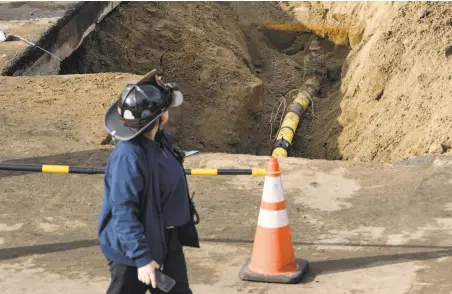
(177, 99)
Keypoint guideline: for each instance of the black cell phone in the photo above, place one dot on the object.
(164, 282)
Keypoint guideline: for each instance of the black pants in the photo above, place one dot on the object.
(124, 279)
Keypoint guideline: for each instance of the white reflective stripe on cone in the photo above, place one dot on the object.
(273, 190)
(272, 219)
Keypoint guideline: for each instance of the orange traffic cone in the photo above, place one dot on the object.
(273, 258)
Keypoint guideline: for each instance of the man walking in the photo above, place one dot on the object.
(147, 214)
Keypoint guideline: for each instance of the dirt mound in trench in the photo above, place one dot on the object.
(204, 52)
(232, 74)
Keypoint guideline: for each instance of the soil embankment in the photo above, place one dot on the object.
(387, 98)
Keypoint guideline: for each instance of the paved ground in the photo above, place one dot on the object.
(364, 228)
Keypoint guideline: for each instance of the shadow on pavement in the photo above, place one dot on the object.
(316, 267)
(15, 252)
(407, 246)
(347, 264)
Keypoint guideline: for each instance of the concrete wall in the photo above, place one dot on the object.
(61, 40)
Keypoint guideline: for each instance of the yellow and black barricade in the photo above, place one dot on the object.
(66, 169)
(49, 168)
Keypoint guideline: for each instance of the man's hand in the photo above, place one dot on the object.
(146, 273)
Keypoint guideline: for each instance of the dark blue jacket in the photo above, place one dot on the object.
(130, 226)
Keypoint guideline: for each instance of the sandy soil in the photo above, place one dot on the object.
(394, 101)
(73, 106)
(398, 105)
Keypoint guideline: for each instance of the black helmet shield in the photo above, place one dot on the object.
(140, 105)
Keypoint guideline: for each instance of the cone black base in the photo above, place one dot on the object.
(290, 278)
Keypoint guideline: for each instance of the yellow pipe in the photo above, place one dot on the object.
(302, 100)
(290, 124)
(279, 151)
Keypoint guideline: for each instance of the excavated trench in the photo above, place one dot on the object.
(233, 73)
(235, 61)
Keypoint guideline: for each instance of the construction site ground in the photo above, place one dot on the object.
(376, 217)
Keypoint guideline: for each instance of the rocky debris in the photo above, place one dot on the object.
(298, 45)
(282, 39)
(435, 149)
(448, 50)
(334, 73)
(439, 148)
(423, 13)
(255, 92)
(379, 95)
(446, 147)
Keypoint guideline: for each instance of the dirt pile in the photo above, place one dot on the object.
(232, 73)
(398, 105)
(394, 101)
(204, 51)
(56, 114)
